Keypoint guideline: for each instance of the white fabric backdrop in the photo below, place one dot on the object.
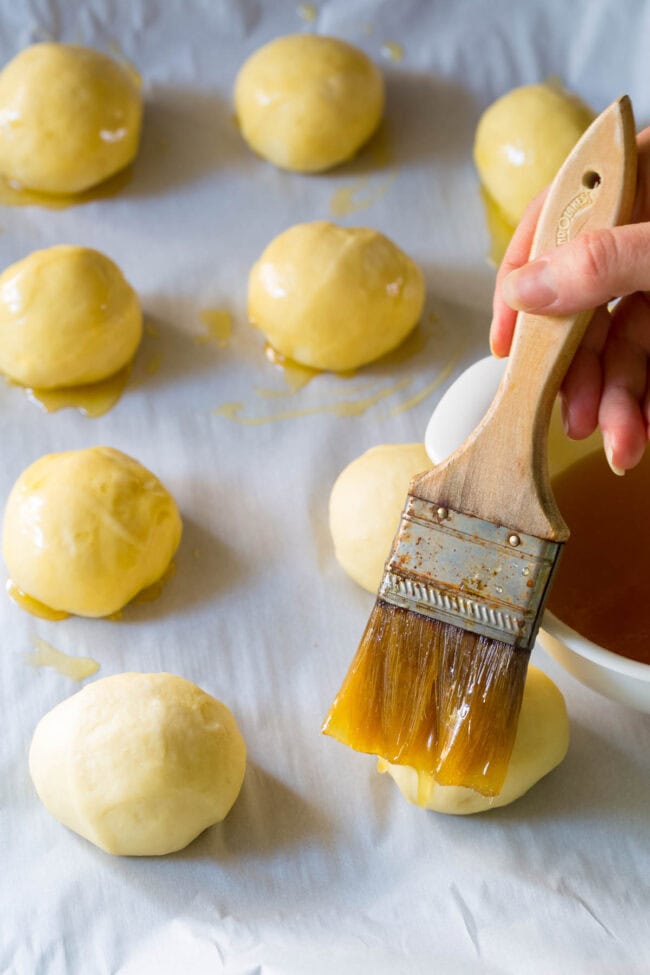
(321, 865)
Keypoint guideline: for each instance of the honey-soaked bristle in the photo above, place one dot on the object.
(481, 701)
(430, 695)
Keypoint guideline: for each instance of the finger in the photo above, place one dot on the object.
(503, 317)
(517, 254)
(630, 320)
(625, 378)
(642, 197)
(583, 384)
(584, 273)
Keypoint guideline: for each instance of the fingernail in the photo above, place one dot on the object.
(609, 454)
(531, 287)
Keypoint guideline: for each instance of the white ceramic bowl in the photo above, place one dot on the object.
(455, 416)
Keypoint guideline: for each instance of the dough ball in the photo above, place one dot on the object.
(522, 140)
(69, 118)
(139, 764)
(366, 504)
(84, 531)
(67, 317)
(541, 743)
(308, 102)
(334, 297)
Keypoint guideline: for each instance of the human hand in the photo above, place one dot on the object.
(608, 382)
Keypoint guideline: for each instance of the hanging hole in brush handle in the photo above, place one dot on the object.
(591, 179)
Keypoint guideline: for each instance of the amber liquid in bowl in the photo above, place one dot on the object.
(602, 586)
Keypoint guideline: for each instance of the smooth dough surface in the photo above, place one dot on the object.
(70, 117)
(308, 102)
(139, 764)
(365, 507)
(334, 297)
(67, 317)
(86, 530)
(541, 744)
(521, 141)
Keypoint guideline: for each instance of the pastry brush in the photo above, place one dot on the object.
(438, 679)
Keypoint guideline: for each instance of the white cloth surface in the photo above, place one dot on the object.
(321, 866)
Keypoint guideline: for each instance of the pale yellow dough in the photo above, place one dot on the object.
(308, 102)
(67, 317)
(84, 531)
(70, 117)
(139, 764)
(521, 141)
(334, 297)
(365, 507)
(540, 745)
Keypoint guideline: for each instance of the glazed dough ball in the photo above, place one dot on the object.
(522, 140)
(67, 317)
(139, 764)
(541, 743)
(308, 102)
(334, 297)
(69, 118)
(366, 504)
(84, 531)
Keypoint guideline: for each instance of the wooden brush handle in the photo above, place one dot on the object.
(500, 472)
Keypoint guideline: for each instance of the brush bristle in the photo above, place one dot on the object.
(433, 696)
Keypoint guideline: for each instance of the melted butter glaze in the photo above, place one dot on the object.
(45, 655)
(35, 608)
(14, 195)
(93, 399)
(218, 326)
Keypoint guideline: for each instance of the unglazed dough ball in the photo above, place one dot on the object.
(334, 297)
(69, 118)
(308, 102)
(139, 764)
(84, 531)
(522, 140)
(67, 317)
(366, 504)
(541, 743)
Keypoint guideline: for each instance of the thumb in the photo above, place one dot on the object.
(584, 273)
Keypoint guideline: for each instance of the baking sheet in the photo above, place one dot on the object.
(321, 865)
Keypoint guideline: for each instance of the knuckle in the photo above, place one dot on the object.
(598, 255)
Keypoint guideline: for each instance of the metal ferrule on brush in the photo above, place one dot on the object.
(476, 575)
